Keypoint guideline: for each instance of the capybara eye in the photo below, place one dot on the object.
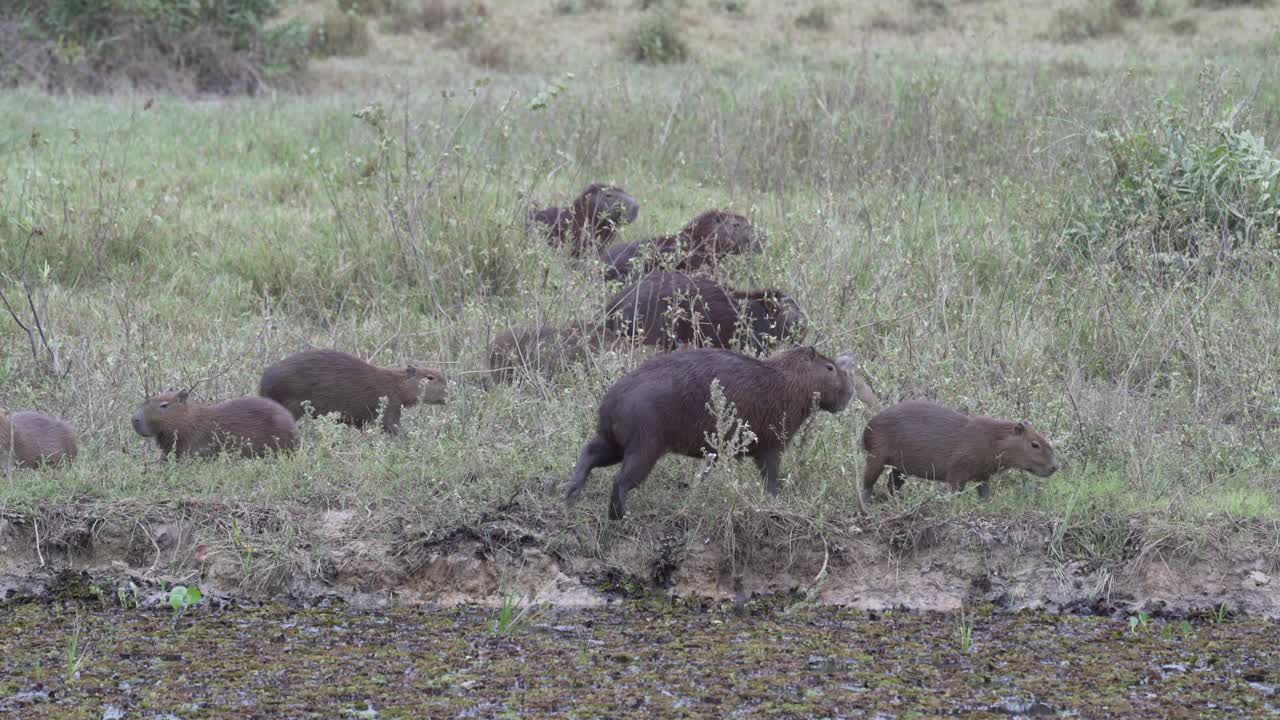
(164, 405)
(1035, 444)
(830, 368)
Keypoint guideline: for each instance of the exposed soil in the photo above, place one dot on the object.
(931, 564)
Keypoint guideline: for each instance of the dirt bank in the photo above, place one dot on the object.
(306, 555)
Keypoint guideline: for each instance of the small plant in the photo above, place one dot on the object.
(657, 40)
(964, 631)
(182, 597)
(1220, 616)
(1137, 621)
(1185, 628)
(511, 617)
(73, 656)
(128, 595)
(817, 17)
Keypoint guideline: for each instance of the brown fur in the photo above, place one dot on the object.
(253, 425)
(661, 407)
(934, 442)
(702, 243)
(591, 222)
(661, 309)
(34, 440)
(546, 349)
(336, 382)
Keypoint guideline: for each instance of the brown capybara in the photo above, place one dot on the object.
(252, 425)
(703, 242)
(33, 440)
(930, 441)
(336, 382)
(661, 407)
(591, 221)
(546, 349)
(668, 309)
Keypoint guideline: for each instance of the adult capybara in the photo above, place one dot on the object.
(546, 349)
(336, 382)
(252, 425)
(707, 238)
(591, 221)
(33, 440)
(930, 441)
(669, 308)
(661, 407)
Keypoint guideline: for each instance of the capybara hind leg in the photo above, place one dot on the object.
(769, 461)
(984, 490)
(597, 453)
(875, 466)
(636, 466)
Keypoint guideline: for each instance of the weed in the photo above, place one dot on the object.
(182, 598)
(1137, 621)
(817, 17)
(656, 39)
(1088, 21)
(964, 631)
(512, 616)
(74, 655)
(341, 33)
(1220, 615)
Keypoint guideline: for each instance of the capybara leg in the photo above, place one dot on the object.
(984, 490)
(636, 466)
(769, 461)
(896, 481)
(391, 419)
(598, 453)
(875, 466)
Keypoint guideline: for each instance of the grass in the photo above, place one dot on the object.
(918, 208)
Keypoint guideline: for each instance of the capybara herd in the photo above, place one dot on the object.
(704, 333)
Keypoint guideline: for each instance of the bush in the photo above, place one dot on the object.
(578, 7)
(363, 7)
(657, 40)
(341, 33)
(179, 47)
(732, 7)
(1086, 22)
(1222, 4)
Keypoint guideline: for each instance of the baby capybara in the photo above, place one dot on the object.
(335, 382)
(591, 221)
(661, 407)
(545, 349)
(252, 425)
(669, 309)
(703, 242)
(934, 442)
(33, 440)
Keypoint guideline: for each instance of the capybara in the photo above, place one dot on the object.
(930, 441)
(707, 238)
(334, 381)
(546, 349)
(661, 407)
(33, 440)
(591, 221)
(252, 425)
(670, 308)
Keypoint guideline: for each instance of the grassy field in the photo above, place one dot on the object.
(1037, 229)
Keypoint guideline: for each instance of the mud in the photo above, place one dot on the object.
(938, 564)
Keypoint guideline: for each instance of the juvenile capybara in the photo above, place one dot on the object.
(591, 221)
(33, 440)
(930, 441)
(336, 382)
(661, 407)
(546, 349)
(252, 425)
(669, 308)
(704, 241)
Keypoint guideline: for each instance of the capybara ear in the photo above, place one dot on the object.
(845, 362)
(1019, 428)
(183, 395)
(411, 371)
(813, 353)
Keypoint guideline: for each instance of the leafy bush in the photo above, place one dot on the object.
(1172, 186)
(1220, 4)
(816, 18)
(578, 7)
(363, 7)
(1086, 22)
(657, 40)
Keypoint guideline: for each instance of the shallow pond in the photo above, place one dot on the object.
(628, 660)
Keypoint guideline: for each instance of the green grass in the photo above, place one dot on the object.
(919, 210)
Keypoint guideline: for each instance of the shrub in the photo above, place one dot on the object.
(816, 18)
(1184, 26)
(733, 7)
(1086, 22)
(578, 7)
(1222, 4)
(363, 7)
(656, 40)
(341, 33)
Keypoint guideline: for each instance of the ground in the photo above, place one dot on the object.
(1060, 212)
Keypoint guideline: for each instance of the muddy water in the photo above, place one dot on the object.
(627, 660)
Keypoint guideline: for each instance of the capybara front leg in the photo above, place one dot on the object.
(769, 462)
(896, 481)
(598, 453)
(984, 489)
